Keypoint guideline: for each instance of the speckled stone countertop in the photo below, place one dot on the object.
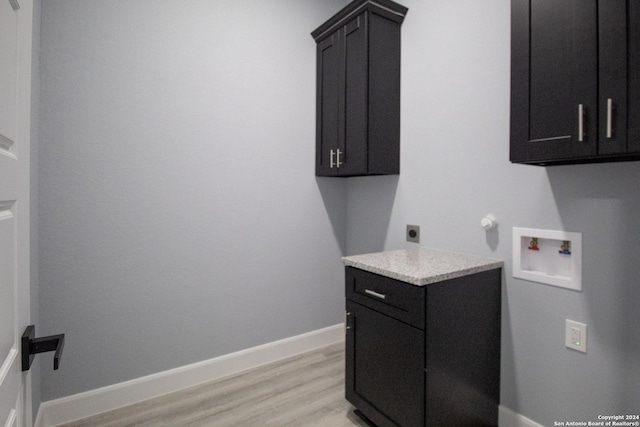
(421, 266)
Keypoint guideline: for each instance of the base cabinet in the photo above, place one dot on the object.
(423, 355)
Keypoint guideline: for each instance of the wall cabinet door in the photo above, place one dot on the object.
(619, 84)
(342, 101)
(327, 105)
(385, 368)
(574, 87)
(553, 80)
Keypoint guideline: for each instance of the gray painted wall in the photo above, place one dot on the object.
(179, 215)
(455, 169)
(180, 219)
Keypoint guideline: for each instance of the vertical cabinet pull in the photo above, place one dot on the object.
(581, 111)
(346, 321)
(609, 118)
(337, 163)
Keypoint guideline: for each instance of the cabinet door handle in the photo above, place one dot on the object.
(338, 158)
(609, 118)
(346, 321)
(375, 294)
(581, 111)
(331, 164)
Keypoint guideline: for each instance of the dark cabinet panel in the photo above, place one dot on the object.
(613, 81)
(633, 76)
(619, 66)
(573, 93)
(394, 298)
(386, 377)
(384, 95)
(358, 90)
(327, 109)
(353, 144)
(553, 80)
(463, 351)
(424, 355)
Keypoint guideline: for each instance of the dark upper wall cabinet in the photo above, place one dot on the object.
(358, 90)
(575, 81)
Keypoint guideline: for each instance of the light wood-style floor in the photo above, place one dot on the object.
(304, 390)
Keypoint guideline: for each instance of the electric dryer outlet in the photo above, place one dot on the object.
(413, 233)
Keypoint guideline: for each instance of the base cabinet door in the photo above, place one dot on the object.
(385, 368)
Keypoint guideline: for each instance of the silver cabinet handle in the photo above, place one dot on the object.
(346, 321)
(338, 164)
(331, 164)
(580, 122)
(609, 118)
(375, 294)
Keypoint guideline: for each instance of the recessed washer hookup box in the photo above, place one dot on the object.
(548, 256)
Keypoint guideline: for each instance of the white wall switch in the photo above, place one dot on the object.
(575, 335)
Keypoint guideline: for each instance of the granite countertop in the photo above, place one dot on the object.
(421, 266)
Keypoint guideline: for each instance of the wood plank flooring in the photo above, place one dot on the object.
(303, 390)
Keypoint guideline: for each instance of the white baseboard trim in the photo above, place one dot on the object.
(509, 418)
(93, 402)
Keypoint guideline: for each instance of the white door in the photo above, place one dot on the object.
(15, 108)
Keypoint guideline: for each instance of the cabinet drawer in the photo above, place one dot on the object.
(388, 296)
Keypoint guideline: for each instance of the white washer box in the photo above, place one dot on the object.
(553, 258)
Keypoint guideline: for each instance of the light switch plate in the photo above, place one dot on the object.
(575, 335)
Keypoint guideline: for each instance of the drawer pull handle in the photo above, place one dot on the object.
(375, 294)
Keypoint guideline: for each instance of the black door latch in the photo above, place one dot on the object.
(32, 346)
